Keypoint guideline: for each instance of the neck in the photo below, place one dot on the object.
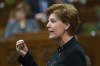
(64, 39)
(22, 23)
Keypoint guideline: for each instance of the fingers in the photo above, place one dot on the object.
(19, 44)
(21, 47)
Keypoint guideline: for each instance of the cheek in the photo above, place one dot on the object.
(59, 30)
(19, 15)
(22, 14)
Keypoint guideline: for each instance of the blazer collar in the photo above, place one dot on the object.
(71, 41)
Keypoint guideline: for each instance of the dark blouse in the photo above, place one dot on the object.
(70, 54)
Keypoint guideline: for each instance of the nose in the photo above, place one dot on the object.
(48, 25)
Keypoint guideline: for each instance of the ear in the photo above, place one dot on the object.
(67, 26)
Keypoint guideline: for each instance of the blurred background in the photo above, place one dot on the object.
(26, 19)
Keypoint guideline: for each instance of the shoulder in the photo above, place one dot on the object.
(76, 54)
(12, 23)
(31, 21)
(74, 47)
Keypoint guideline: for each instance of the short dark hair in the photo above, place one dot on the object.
(68, 14)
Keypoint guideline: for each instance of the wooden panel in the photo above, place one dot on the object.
(91, 44)
(88, 14)
(41, 47)
(3, 55)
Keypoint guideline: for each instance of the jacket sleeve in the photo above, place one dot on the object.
(76, 59)
(27, 60)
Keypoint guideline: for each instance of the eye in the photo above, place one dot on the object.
(52, 20)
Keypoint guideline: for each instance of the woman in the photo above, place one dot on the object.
(63, 21)
(22, 23)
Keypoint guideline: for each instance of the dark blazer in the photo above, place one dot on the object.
(71, 54)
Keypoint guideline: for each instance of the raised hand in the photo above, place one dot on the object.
(21, 47)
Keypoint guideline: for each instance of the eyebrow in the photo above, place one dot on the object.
(51, 19)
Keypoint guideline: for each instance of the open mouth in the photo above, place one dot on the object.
(51, 31)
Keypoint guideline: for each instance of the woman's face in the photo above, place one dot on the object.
(20, 14)
(55, 27)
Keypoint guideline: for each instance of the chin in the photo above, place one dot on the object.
(52, 37)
